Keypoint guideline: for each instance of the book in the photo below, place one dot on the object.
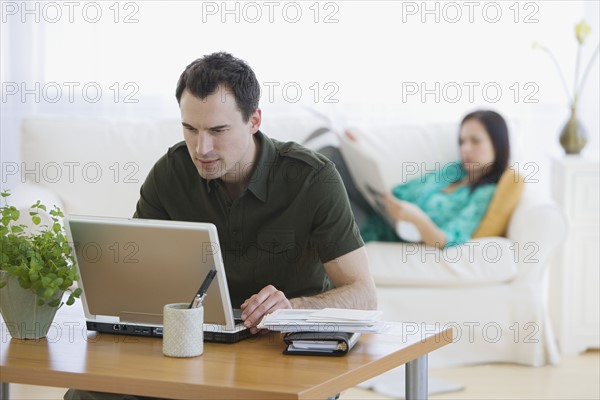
(320, 343)
(367, 175)
(327, 320)
(363, 165)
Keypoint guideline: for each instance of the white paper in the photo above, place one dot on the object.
(326, 320)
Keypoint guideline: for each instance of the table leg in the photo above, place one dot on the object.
(416, 379)
(4, 394)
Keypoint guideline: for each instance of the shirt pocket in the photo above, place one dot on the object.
(277, 256)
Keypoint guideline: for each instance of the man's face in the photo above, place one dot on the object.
(219, 141)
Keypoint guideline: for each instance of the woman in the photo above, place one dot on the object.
(447, 206)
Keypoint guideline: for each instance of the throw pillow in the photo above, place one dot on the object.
(508, 192)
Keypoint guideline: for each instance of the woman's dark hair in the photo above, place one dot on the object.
(204, 75)
(497, 130)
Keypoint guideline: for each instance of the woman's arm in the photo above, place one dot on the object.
(456, 230)
(401, 210)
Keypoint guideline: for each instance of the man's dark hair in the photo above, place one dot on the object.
(204, 75)
(497, 130)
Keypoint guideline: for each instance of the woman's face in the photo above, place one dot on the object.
(476, 148)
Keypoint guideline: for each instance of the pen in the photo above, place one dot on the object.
(201, 294)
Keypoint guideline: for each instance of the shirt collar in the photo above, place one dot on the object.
(265, 161)
(260, 175)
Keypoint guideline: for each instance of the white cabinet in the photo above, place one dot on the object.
(574, 278)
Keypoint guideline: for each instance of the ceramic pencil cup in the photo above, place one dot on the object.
(183, 334)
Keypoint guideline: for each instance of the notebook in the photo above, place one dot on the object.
(130, 268)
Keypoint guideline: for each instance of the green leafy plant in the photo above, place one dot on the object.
(41, 258)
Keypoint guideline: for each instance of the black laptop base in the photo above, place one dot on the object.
(122, 329)
(133, 330)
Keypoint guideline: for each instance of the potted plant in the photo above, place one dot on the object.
(36, 268)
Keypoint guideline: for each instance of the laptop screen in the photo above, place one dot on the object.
(131, 268)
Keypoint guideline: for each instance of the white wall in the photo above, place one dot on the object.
(365, 57)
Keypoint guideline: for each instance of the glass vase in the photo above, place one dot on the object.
(573, 136)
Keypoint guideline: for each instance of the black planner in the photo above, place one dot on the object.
(320, 343)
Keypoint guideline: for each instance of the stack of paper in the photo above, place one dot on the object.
(325, 320)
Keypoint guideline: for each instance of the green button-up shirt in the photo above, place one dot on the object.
(293, 217)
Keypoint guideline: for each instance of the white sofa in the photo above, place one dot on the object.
(491, 290)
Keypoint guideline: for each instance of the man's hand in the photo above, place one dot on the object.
(264, 302)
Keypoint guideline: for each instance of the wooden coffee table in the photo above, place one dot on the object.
(252, 369)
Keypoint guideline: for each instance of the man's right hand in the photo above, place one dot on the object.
(264, 302)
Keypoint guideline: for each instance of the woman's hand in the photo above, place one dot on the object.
(400, 210)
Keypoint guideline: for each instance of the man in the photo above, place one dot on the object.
(286, 231)
(287, 235)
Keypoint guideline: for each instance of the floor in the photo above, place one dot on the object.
(576, 377)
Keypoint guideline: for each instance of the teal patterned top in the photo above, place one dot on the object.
(457, 214)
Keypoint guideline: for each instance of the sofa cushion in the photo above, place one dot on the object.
(508, 192)
(479, 262)
(96, 166)
(405, 151)
(290, 122)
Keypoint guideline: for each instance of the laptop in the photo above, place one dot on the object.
(130, 268)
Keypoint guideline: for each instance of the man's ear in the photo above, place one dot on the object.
(255, 120)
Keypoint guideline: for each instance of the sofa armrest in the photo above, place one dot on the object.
(537, 227)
